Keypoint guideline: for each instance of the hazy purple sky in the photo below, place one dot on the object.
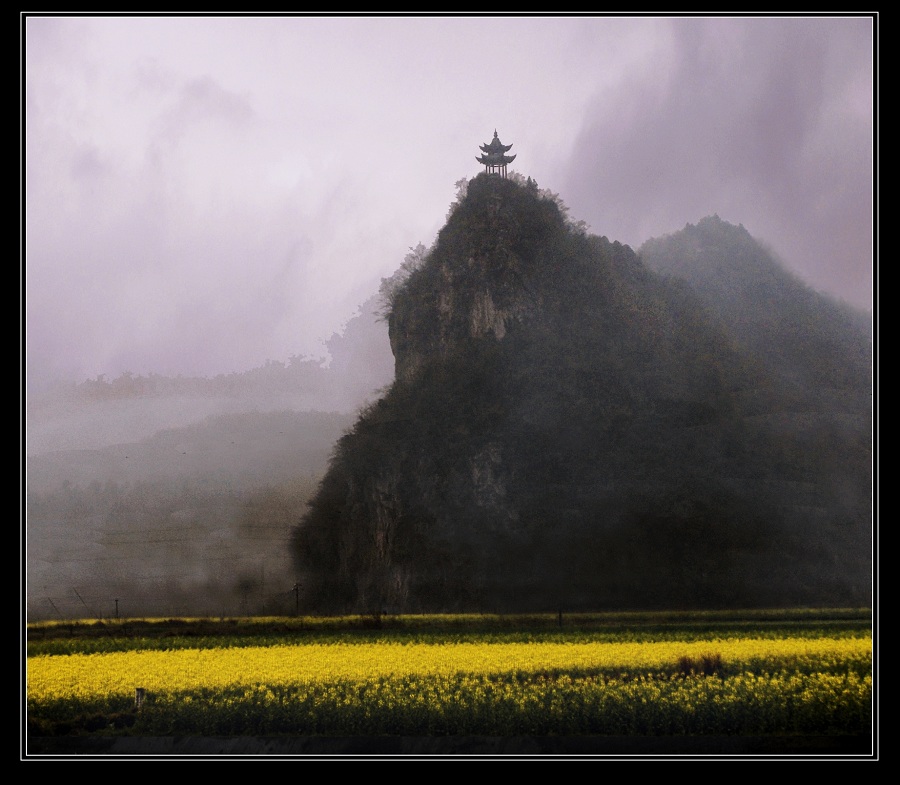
(203, 194)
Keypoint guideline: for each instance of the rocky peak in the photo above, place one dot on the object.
(481, 276)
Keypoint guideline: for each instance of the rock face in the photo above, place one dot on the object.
(570, 429)
(475, 283)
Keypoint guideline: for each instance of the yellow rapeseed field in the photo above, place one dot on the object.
(82, 676)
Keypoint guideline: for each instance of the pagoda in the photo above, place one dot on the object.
(495, 158)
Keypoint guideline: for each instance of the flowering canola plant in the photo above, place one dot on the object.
(117, 674)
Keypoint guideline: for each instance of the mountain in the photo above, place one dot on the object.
(574, 425)
(816, 345)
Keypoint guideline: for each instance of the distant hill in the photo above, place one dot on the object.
(101, 412)
(819, 347)
(192, 520)
(574, 425)
(161, 495)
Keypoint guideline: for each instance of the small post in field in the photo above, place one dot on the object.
(139, 695)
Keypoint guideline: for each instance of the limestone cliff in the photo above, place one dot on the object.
(475, 282)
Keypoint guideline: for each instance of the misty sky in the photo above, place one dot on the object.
(203, 194)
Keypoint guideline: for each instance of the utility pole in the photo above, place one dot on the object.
(82, 600)
(297, 599)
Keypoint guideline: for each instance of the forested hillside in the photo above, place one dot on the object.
(572, 425)
(571, 428)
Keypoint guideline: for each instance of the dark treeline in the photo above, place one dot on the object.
(359, 361)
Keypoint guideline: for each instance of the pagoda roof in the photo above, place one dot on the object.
(495, 146)
(496, 159)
